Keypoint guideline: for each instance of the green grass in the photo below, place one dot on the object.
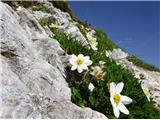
(40, 7)
(99, 98)
(142, 64)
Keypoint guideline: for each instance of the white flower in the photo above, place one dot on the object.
(146, 92)
(97, 72)
(93, 45)
(80, 62)
(91, 87)
(118, 100)
(102, 62)
(108, 53)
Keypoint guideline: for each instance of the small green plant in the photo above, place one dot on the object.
(46, 21)
(99, 98)
(40, 7)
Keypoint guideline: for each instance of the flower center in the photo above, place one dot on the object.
(116, 98)
(80, 61)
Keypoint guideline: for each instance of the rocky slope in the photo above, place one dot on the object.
(32, 78)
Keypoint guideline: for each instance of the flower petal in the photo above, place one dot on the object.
(72, 61)
(123, 109)
(148, 97)
(84, 66)
(86, 58)
(74, 67)
(119, 87)
(97, 68)
(91, 87)
(79, 69)
(125, 99)
(115, 108)
(112, 87)
(116, 112)
(89, 62)
(81, 56)
(73, 56)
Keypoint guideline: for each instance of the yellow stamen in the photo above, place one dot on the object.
(116, 98)
(80, 61)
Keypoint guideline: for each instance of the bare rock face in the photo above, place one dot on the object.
(32, 81)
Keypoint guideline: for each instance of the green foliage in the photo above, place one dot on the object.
(27, 4)
(40, 7)
(99, 99)
(142, 64)
(46, 21)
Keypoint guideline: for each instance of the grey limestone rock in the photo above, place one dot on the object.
(32, 81)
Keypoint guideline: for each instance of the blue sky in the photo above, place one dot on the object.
(134, 26)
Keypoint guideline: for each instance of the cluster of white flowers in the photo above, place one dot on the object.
(82, 62)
